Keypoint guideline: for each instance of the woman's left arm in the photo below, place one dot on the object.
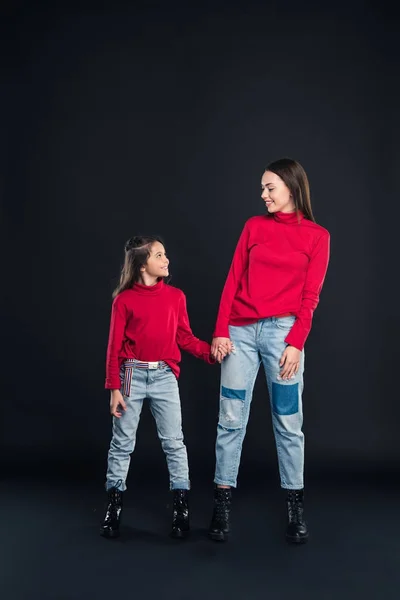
(315, 277)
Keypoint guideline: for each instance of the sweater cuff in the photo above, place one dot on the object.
(210, 359)
(221, 332)
(112, 385)
(295, 341)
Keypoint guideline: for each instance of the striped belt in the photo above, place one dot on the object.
(140, 364)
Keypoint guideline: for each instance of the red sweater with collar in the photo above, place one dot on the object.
(279, 267)
(150, 323)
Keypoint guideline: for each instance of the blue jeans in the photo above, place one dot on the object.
(161, 388)
(263, 341)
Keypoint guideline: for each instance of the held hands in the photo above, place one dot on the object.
(116, 403)
(290, 362)
(220, 347)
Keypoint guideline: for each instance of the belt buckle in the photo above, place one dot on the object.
(153, 365)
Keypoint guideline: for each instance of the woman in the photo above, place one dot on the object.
(265, 314)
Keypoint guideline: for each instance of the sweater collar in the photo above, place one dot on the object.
(288, 218)
(149, 290)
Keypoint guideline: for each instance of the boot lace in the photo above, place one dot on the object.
(295, 506)
(222, 505)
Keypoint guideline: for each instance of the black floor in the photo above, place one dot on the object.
(51, 549)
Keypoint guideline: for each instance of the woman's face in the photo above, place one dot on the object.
(276, 194)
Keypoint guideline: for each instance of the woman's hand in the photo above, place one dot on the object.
(290, 362)
(220, 347)
(116, 401)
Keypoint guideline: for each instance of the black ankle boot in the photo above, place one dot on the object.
(220, 526)
(110, 526)
(180, 514)
(296, 532)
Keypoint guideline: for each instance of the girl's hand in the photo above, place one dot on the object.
(220, 347)
(117, 401)
(221, 353)
(290, 362)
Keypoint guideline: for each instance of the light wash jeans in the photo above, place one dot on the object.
(263, 341)
(160, 387)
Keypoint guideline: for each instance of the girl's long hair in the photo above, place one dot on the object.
(295, 177)
(137, 252)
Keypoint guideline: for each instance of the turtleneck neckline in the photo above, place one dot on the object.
(288, 218)
(151, 290)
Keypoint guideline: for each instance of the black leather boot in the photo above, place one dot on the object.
(296, 532)
(180, 514)
(220, 526)
(110, 526)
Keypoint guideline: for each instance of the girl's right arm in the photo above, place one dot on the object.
(115, 339)
(239, 264)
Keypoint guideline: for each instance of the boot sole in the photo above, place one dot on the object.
(109, 534)
(217, 537)
(296, 540)
(179, 535)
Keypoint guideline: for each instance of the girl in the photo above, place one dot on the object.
(149, 323)
(266, 310)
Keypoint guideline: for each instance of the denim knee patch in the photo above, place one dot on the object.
(285, 399)
(231, 408)
(233, 394)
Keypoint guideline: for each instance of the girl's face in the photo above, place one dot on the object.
(157, 263)
(276, 194)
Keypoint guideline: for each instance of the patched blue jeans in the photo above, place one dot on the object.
(263, 342)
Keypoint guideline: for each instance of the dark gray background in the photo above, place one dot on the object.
(160, 118)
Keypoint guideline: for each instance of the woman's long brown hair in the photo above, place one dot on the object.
(295, 177)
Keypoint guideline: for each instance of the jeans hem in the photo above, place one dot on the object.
(180, 485)
(111, 484)
(292, 487)
(220, 482)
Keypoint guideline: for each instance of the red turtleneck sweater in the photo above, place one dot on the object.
(150, 323)
(279, 267)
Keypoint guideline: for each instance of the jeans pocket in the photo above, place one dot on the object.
(285, 323)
